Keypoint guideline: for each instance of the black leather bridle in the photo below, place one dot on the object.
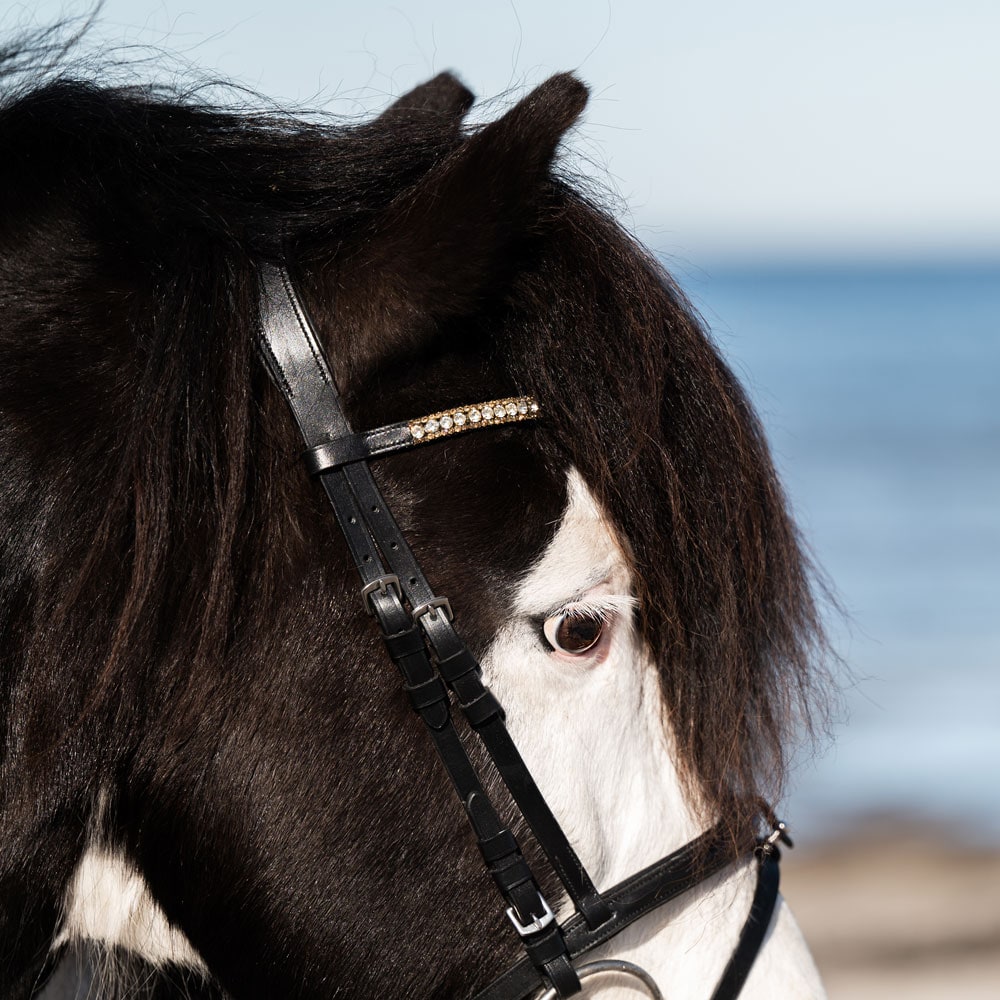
(417, 627)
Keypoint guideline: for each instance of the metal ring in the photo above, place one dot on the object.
(614, 965)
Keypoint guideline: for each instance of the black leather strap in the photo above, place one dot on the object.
(629, 900)
(651, 888)
(462, 674)
(299, 368)
(358, 447)
(765, 898)
(296, 361)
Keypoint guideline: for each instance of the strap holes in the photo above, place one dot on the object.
(376, 509)
(394, 546)
(367, 558)
(413, 581)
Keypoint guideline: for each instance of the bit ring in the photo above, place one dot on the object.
(614, 965)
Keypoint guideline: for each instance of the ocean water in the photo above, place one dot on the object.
(880, 391)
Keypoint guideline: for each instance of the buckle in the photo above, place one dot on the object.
(432, 605)
(538, 924)
(382, 585)
(780, 832)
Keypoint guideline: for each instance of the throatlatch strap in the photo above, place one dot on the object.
(765, 898)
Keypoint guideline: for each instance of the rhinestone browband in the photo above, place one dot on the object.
(367, 445)
(470, 418)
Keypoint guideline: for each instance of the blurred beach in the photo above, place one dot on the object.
(899, 909)
(880, 392)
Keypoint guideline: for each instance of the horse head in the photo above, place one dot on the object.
(208, 762)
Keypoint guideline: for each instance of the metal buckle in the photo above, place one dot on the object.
(382, 585)
(538, 924)
(780, 832)
(432, 605)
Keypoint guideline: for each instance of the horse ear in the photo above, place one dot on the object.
(446, 245)
(443, 97)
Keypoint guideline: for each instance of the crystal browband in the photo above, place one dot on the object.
(385, 440)
(470, 418)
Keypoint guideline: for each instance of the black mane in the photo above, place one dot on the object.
(173, 629)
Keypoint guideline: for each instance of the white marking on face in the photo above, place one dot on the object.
(591, 728)
(108, 902)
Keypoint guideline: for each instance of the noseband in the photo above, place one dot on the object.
(436, 666)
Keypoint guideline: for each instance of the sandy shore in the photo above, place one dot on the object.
(899, 910)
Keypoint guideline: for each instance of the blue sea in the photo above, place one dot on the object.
(880, 391)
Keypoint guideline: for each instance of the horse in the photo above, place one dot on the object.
(212, 783)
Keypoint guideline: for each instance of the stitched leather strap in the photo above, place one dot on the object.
(299, 367)
(357, 447)
(462, 674)
(651, 888)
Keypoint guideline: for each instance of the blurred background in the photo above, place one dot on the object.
(822, 180)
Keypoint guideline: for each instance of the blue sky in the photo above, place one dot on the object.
(724, 128)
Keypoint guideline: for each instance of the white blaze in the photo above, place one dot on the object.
(592, 733)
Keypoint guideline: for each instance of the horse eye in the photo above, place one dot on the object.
(574, 632)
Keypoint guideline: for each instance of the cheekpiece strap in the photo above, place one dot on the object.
(391, 578)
